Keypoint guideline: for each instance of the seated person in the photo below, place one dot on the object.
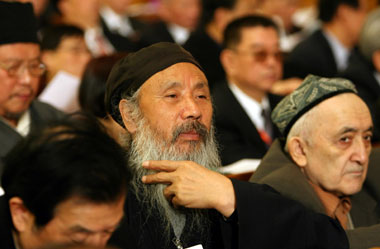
(252, 60)
(161, 97)
(65, 183)
(322, 161)
(92, 89)
(65, 55)
(364, 68)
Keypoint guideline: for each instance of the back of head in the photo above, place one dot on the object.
(52, 36)
(68, 158)
(210, 6)
(328, 8)
(93, 84)
(232, 33)
(369, 36)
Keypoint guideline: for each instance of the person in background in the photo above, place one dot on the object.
(65, 183)
(364, 69)
(20, 72)
(121, 30)
(326, 52)
(252, 60)
(178, 19)
(92, 89)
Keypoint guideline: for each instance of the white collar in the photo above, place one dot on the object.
(252, 107)
(116, 22)
(377, 76)
(179, 34)
(340, 52)
(23, 124)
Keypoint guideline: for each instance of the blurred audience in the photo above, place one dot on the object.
(326, 52)
(20, 72)
(65, 183)
(364, 68)
(121, 30)
(178, 19)
(92, 89)
(252, 60)
(65, 54)
(85, 15)
(205, 44)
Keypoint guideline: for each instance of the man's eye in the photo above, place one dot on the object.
(202, 96)
(368, 138)
(345, 139)
(171, 96)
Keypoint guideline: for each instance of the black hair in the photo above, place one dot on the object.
(232, 33)
(210, 6)
(53, 35)
(328, 8)
(68, 158)
(93, 84)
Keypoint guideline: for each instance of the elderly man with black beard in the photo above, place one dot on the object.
(161, 96)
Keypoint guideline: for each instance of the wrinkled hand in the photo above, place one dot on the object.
(192, 185)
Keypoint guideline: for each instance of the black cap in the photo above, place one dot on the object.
(131, 72)
(17, 23)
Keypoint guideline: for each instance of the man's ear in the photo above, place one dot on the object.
(129, 123)
(296, 148)
(227, 61)
(376, 60)
(22, 218)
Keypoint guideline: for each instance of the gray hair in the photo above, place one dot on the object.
(369, 37)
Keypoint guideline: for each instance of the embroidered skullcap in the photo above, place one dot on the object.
(17, 23)
(131, 72)
(312, 91)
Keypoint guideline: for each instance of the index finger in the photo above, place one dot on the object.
(162, 165)
(161, 177)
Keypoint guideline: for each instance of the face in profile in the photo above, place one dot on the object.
(75, 221)
(337, 153)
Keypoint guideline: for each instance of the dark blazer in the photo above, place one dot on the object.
(361, 73)
(236, 134)
(40, 113)
(207, 52)
(122, 43)
(155, 32)
(281, 173)
(6, 239)
(311, 56)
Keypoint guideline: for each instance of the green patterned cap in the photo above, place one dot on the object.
(312, 91)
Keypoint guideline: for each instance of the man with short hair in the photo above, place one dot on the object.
(326, 52)
(161, 96)
(252, 61)
(323, 160)
(20, 72)
(65, 183)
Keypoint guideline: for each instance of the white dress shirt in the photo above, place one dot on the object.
(340, 52)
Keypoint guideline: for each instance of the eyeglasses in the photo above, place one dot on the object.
(262, 56)
(16, 68)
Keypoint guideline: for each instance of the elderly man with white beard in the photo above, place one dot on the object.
(160, 95)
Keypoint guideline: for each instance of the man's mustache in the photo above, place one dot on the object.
(188, 127)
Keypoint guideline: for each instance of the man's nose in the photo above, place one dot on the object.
(24, 76)
(361, 151)
(191, 109)
(98, 239)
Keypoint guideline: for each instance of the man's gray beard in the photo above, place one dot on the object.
(149, 145)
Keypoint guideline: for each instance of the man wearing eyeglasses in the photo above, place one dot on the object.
(20, 72)
(252, 61)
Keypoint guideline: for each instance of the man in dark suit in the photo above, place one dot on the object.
(322, 160)
(364, 69)
(20, 72)
(122, 31)
(178, 19)
(252, 61)
(326, 52)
